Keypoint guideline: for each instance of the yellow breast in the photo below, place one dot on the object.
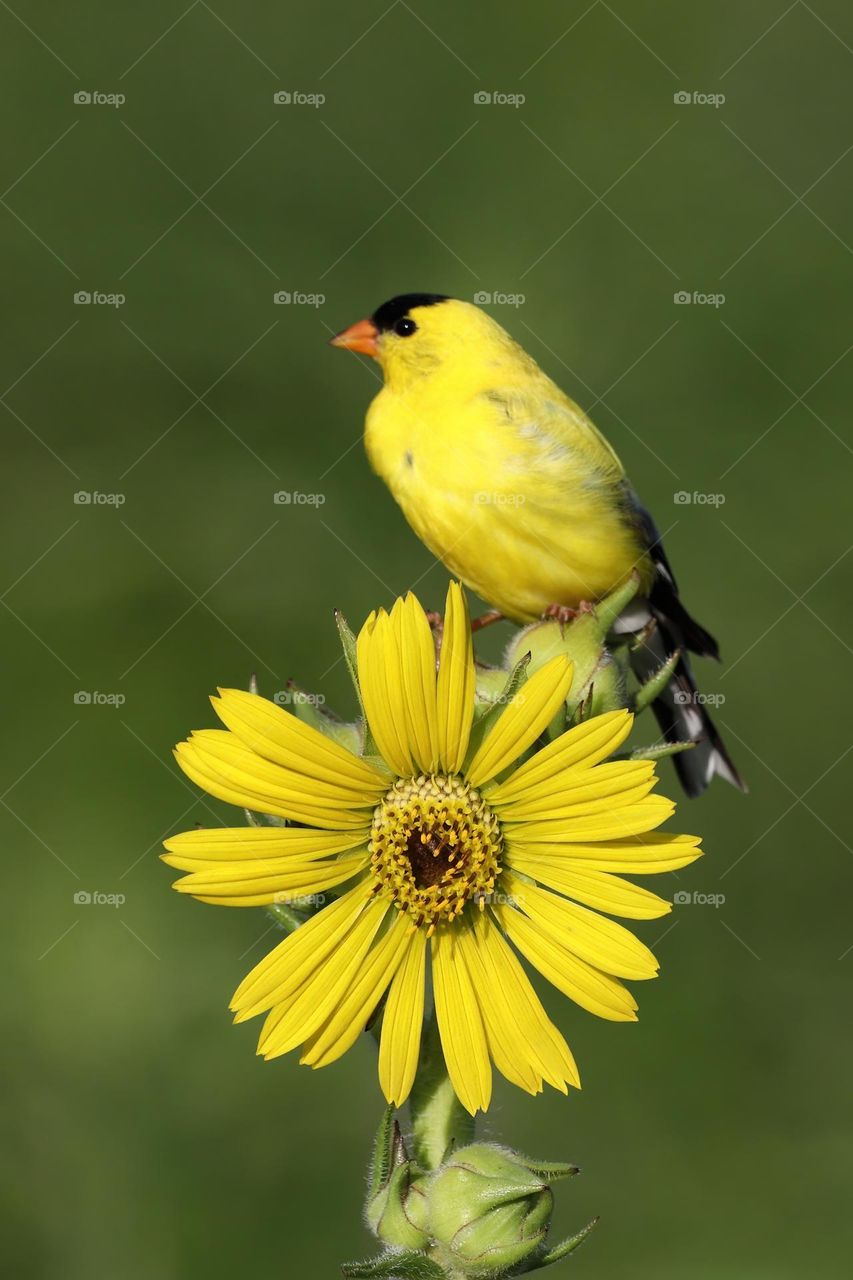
(513, 490)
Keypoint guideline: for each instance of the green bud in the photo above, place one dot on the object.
(396, 1203)
(488, 1211)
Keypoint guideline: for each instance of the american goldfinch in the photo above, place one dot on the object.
(511, 485)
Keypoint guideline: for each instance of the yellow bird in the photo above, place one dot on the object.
(517, 492)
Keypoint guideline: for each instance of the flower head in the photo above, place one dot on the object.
(444, 850)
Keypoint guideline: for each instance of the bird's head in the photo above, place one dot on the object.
(416, 334)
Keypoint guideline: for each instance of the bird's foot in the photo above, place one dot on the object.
(564, 613)
(436, 622)
(486, 619)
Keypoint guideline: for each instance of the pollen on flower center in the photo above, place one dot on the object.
(435, 845)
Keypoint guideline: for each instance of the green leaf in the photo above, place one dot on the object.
(395, 1266)
(565, 1247)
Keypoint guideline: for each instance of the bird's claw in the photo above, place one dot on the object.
(564, 613)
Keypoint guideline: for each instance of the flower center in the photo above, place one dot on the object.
(434, 846)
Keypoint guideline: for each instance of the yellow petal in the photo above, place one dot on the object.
(583, 746)
(646, 854)
(378, 677)
(612, 824)
(294, 1020)
(578, 792)
(401, 1023)
(288, 965)
(587, 986)
(216, 761)
(255, 885)
(456, 682)
(351, 1016)
(525, 1044)
(524, 718)
(598, 889)
(212, 848)
(592, 937)
(415, 646)
(460, 1025)
(279, 736)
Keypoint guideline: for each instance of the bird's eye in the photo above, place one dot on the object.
(405, 328)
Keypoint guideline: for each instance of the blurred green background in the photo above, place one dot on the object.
(141, 1135)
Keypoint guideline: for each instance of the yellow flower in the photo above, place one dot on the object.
(440, 847)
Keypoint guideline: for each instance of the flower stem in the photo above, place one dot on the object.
(438, 1117)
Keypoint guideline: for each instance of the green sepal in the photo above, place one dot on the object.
(286, 916)
(659, 752)
(656, 683)
(348, 644)
(607, 610)
(549, 1170)
(388, 1151)
(564, 1248)
(409, 1265)
(491, 713)
(319, 717)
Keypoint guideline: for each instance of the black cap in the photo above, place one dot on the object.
(386, 316)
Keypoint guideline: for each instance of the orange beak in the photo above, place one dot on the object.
(361, 337)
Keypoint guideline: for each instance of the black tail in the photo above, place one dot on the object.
(680, 711)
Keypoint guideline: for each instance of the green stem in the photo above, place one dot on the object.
(438, 1117)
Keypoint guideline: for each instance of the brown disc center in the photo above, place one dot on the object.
(429, 857)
